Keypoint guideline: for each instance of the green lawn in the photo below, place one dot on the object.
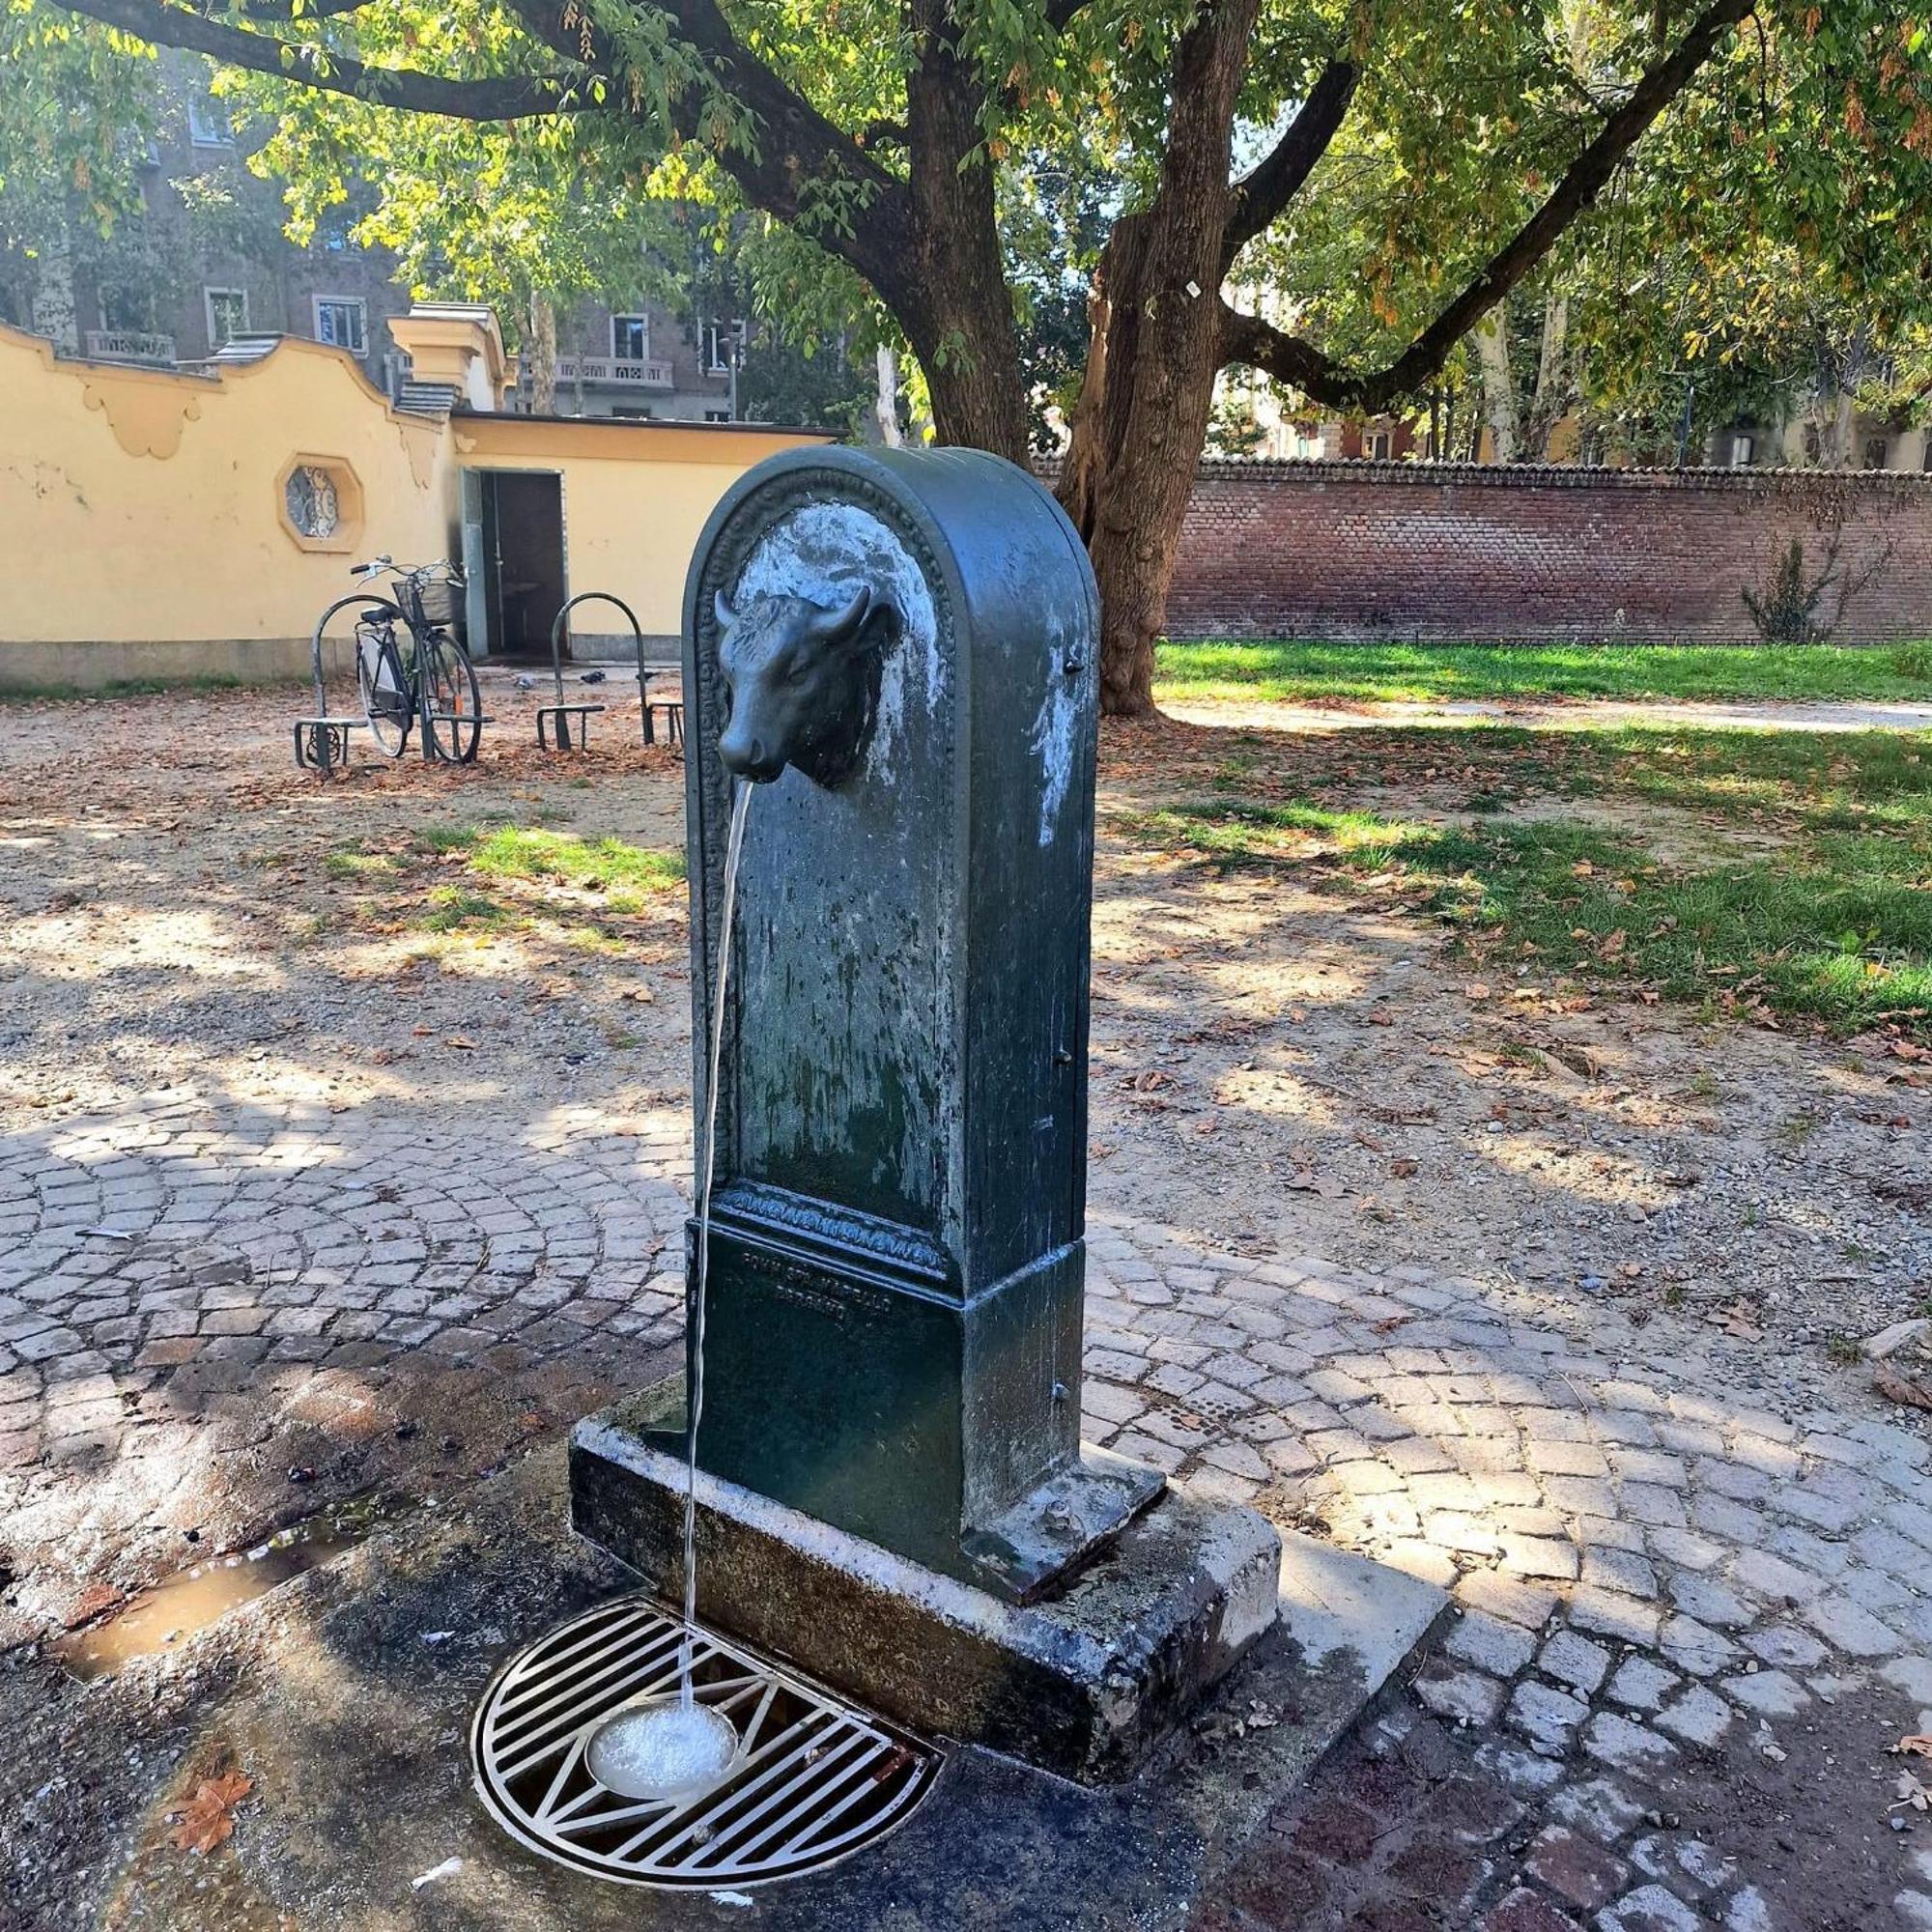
(1432, 673)
(1825, 917)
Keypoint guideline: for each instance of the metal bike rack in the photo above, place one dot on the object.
(554, 719)
(322, 742)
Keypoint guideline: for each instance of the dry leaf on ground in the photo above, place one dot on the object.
(1913, 1747)
(1904, 1389)
(209, 1816)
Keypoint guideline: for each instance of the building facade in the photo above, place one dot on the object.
(160, 522)
(208, 264)
(642, 364)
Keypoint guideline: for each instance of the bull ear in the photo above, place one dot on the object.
(721, 606)
(843, 625)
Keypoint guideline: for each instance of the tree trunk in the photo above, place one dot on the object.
(1156, 348)
(886, 402)
(1498, 383)
(542, 353)
(955, 303)
(1551, 401)
(55, 313)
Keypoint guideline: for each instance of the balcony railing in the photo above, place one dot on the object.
(620, 371)
(129, 345)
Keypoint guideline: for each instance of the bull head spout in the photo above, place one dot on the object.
(802, 682)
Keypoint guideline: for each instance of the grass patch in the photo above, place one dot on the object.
(118, 687)
(591, 865)
(1431, 673)
(452, 909)
(1840, 933)
(623, 872)
(352, 862)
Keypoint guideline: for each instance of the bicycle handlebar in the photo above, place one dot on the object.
(376, 567)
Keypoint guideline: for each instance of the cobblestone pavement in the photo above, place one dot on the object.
(214, 1315)
(1689, 1628)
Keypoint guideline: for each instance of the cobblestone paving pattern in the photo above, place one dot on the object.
(1687, 1628)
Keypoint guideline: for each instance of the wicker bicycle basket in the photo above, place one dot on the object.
(438, 602)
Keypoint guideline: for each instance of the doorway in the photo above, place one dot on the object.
(513, 558)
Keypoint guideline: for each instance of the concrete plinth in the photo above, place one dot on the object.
(1083, 1684)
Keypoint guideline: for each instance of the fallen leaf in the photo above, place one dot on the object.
(1913, 1747)
(457, 1040)
(1905, 1390)
(209, 1815)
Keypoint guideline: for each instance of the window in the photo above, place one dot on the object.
(227, 314)
(721, 337)
(632, 412)
(343, 321)
(1877, 449)
(207, 126)
(321, 504)
(126, 309)
(630, 338)
(1814, 444)
(1378, 446)
(310, 499)
(1743, 451)
(717, 416)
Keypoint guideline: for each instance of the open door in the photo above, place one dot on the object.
(480, 568)
(513, 560)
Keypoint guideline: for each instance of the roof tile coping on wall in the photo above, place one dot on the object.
(1530, 475)
(1553, 475)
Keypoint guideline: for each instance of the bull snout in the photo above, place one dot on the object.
(751, 754)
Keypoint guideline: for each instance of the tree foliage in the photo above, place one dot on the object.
(1396, 168)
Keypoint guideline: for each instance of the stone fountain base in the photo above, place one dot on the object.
(1083, 1684)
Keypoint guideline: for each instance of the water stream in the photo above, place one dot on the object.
(741, 805)
(663, 1747)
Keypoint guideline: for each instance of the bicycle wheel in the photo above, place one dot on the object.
(453, 698)
(387, 702)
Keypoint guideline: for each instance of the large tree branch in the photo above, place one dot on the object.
(511, 97)
(1292, 359)
(1262, 193)
(798, 150)
(286, 10)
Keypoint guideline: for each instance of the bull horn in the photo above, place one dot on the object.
(721, 605)
(833, 625)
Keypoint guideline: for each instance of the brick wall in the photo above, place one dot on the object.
(1392, 550)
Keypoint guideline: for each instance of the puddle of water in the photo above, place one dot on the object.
(192, 1599)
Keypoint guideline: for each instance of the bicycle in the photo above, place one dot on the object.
(419, 673)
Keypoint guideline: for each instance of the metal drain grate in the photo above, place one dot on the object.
(812, 1780)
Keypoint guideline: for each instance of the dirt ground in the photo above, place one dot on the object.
(1292, 1064)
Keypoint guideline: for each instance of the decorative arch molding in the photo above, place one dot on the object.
(146, 415)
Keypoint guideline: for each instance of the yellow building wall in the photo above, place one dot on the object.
(636, 495)
(142, 526)
(142, 532)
